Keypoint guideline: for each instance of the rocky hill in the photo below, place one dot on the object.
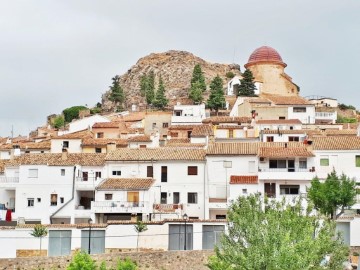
(176, 69)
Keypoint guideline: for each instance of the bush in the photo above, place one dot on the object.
(72, 113)
(82, 261)
(58, 121)
(230, 75)
(126, 264)
(341, 119)
(343, 106)
(95, 110)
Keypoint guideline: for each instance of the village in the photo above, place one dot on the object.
(176, 170)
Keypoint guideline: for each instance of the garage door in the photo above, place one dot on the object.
(177, 237)
(97, 242)
(59, 243)
(212, 235)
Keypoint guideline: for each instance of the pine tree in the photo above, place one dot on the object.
(216, 99)
(117, 93)
(150, 90)
(196, 93)
(247, 86)
(198, 76)
(160, 100)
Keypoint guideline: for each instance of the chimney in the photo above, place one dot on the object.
(110, 147)
(64, 154)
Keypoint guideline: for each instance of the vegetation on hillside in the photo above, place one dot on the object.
(117, 94)
(265, 234)
(72, 113)
(198, 85)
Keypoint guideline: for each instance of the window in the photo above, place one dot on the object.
(189, 134)
(62, 172)
(324, 161)
(165, 125)
(61, 199)
(133, 196)
(289, 189)
(33, 173)
(30, 202)
(176, 197)
(270, 138)
(163, 173)
(142, 145)
(192, 197)
(282, 118)
(53, 199)
(163, 198)
(220, 217)
(38, 200)
(150, 171)
(174, 134)
(291, 127)
(65, 144)
(97, 175)
(85, 176)
(244, 191)
(178, 113)
(277, 164)
(97, 150)
(357, 161)
(299, 109)
(231, 133)
(153, 125)
(27, 152)
(192, 170)
(303, 164)
(116, 172)
(108, 196)
(100, 135)
(293, 138)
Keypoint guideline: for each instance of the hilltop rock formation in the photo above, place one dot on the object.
(175, 67)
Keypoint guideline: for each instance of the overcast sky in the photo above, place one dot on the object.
(57, 54)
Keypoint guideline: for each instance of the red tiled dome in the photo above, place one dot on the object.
(265, 54)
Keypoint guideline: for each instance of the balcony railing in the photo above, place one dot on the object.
(117, 204)
(5, 179)
(267, 169)
(89, 179)
(167, 207)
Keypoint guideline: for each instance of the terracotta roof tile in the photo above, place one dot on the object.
(106, 125)
(243, 179)
(75, 135)
(231, 127)
(287, 131)
(227, 119)
(181, 127)
(140, 138)
(244, 148)
(126, 184)
(44, 145)
(202, 131)
(177, 141)
(274, 152)
(217, 200)
(84, 159)
(149, 154)
(287, 100)
(336, 143)
(187, 145)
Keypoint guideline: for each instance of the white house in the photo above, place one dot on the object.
(188, 114)
(70, 142)
(86, 123)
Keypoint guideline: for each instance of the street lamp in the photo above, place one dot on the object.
(185, 217)
(89, 247)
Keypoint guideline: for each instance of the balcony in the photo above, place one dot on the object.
(87, 183)
(218, 203)
(9, 182)
(167, 208)
(266, 173)
(119, 207)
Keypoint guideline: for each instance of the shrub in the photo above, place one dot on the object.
(58, 121)
(82, 261)
(126, 264)
(230, 75)
(72, 113)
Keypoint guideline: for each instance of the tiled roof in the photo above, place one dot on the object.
(84, 159)
(149, 154)
(103, 142)
(325, 109)
(135, 130)
(186, 145)
(75, 135)
(244, 148)
(28, 145)
(258, 100)
(202, 131)
(286, 131)
(217, 200)
(279, 122)
(243, 179)
(230, 127)
(126, 183)
(106, 125)
(140, 138)
(3, 162)
(274, 152)
(182, 127)
(177, 141)
(336, 143)
(341, 132)
(287, 100)
(227, 119)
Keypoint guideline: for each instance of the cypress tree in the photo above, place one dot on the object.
(216, 99)
(160, 100)
(198, 76)
(247, 86)
(117, 93)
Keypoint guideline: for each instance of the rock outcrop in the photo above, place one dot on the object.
(175, 67)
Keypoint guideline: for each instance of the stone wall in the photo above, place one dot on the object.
(160, 260)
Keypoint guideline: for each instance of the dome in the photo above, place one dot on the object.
(265, 54)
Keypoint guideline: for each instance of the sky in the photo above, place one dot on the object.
(58, 54)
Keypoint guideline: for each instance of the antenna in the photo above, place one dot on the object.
(12, 131)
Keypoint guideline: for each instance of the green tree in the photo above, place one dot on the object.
(198, 77)
(147, 87)
(196, 93)
(72, 113)
(216, 99)
(247, 86)
(82, 261)
(139, 228)
(59, 121)
(336, 192)
(126, 264)
(117, 93)
(39, 231)
(160, 100)
(265, 234)
(230, 75)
